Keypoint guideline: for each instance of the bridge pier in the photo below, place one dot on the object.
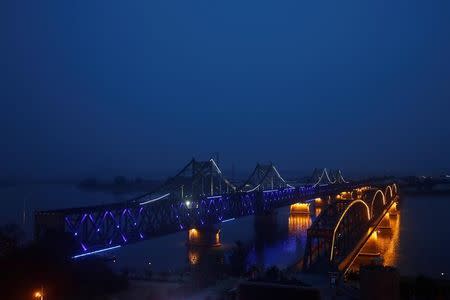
(300, 209)
(317, 206)
(345, 195)
(370, 253)
(385, 223)
(393, 211)
(319, 202)
(205, 236)
(370, 248)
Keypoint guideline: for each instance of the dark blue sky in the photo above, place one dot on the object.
(139, 87)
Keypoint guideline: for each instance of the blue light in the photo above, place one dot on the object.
(228, 220)
(96, 251)
(270, 191)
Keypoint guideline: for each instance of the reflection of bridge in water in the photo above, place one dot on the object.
(199, 198)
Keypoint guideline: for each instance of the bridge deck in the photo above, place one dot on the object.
(101, 226)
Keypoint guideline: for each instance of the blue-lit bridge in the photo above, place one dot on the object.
(199, 198)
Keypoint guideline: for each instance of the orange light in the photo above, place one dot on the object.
(299, 223)
(193, 234)
(38, 295)
(344, 195)
(218, 238)
(300, 208)
(193, 256)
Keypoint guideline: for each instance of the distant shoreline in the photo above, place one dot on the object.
(413, 192)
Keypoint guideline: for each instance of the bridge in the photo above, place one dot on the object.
(341, 230)
(199, 198)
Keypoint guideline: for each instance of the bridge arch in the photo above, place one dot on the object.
(391, 194)
(395, 188)
(375, 197)
(355, 202)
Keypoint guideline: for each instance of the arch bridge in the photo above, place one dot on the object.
(342, 224)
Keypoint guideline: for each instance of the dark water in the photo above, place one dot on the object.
(424, 236)
(417, 244)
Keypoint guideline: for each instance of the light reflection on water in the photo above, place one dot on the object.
(389, 241)
(298, 226)
(382, 246)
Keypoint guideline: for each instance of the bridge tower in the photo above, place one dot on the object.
(198, 179)
(264, 177)
(321, 177)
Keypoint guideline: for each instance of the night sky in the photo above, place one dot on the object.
(140, 87)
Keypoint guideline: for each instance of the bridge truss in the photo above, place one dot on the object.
(198, 195)
(264, 177)
(325, 177)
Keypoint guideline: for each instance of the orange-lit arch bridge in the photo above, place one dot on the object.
(340, 231)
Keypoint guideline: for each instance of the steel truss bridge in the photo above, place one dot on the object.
(198, 196)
